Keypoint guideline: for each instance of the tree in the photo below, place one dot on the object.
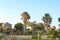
(32, 24)
(6, 27)
(59, 21)
(40, 26)
(1, 30)
(58, 33)
(19, 26)
(25, 18)
(51, 34)
(47, 20)
(1, 27)
(59, 29)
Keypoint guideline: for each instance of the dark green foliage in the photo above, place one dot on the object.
(41, 26)
(26, 14)
(19, 26)
(53, 34)
(47, 18)
(1, 27)
(59, 19)
(1, 35)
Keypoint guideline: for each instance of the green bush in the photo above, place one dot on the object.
(1, 35)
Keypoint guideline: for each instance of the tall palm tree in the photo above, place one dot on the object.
(47, 20)
(25, 18)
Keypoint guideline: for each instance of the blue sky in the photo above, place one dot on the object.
(10, 10)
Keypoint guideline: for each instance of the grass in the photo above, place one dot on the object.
(24, 39)
(21, 39)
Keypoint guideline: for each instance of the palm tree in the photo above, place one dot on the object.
(25, 18)
(47, 20)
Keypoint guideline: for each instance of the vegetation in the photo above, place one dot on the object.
(19, 26)
(47, 20)
(37, 30)
(25, 18)
(21, 39)
(59, 19)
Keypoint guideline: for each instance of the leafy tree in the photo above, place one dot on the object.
(25, 18)
(40, 26)
(47, 20)
(19, 26)
(36, 26)
(58, 33)
(52, 33)
(1, 30)
(32, 24)
(6, 30)
(59, 21)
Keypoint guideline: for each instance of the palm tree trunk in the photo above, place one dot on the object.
(24, 28)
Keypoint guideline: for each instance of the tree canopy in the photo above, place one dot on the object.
(59, 19)
(47, 18)
(18, 26)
